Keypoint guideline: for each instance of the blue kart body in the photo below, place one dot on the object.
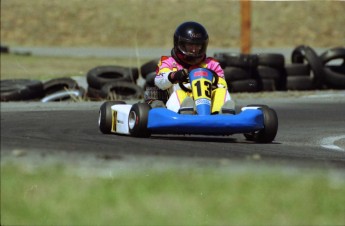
(164, 121)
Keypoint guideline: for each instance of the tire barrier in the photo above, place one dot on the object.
(242, 79)
(65, 95)
(298, 77)
(243, 73)
(334, 72)
(101, 75)
(334, 79)
(271, 78)
(307, 70)
(276, 63)
(304, 53)
(121, 91)
(257, 72)
(333, 54)
(148, 67)
(297, 69)
(59, 84)
(237, 59)
(21, 89)
(240, 71)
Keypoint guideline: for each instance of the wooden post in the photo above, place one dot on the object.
(245, 26)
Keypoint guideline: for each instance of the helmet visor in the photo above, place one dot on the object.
(193, 48)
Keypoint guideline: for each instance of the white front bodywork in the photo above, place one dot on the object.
(120, 114)
(173, 102)
(249, 108)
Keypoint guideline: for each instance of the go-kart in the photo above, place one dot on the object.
(258, 123)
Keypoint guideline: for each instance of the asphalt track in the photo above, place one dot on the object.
(311, 132)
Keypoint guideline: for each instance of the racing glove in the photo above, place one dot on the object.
(178, 76)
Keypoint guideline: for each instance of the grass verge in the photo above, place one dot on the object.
(53, 196)
(41, 67)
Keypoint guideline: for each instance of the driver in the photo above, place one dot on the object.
(188, 53)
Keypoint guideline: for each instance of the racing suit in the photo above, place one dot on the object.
(168, 64)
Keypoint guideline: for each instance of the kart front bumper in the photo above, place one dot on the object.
(164, 121)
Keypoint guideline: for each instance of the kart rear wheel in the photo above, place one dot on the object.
(105, 116)
(269, 132)
(137, 120)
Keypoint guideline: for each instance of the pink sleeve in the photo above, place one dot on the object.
(214, 65)
(165, 67)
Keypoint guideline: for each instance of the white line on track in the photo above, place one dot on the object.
(328, 142)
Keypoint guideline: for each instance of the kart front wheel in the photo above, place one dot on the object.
(269, 132)
(137, 120)
(105, 116)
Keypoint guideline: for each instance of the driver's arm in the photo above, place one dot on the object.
(166, 66)
(162, 79)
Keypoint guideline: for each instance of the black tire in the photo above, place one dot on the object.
(238, 59)
(302, 53)
(150, 79)
(236, 73)
(331, 54)
(148, 67)
(21, 89)
(271, 78)
(297, 69)
(122, 90)
(337, 68)
(275, 60)
(94, 94)
(105, 120)
(334, 79)
(59, 84)
(65, 95)
(303, 82)
(268, 85)
(269, 132)
(242, 60)
(101, 75)
(138, 119)
(247, 85)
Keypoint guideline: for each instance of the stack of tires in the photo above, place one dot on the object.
(309, 71)
(305, 71)
(243, 73)
(62, 89)
(21, 89)
(253, 72)
(268, 71)
(58, 89)
(333, 61)
(113, 83)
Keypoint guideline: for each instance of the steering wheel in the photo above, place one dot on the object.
(214, 83)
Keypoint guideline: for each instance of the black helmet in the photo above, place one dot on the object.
(190, 42)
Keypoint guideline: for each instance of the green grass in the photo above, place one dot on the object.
(41, 67)
(54, 196)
